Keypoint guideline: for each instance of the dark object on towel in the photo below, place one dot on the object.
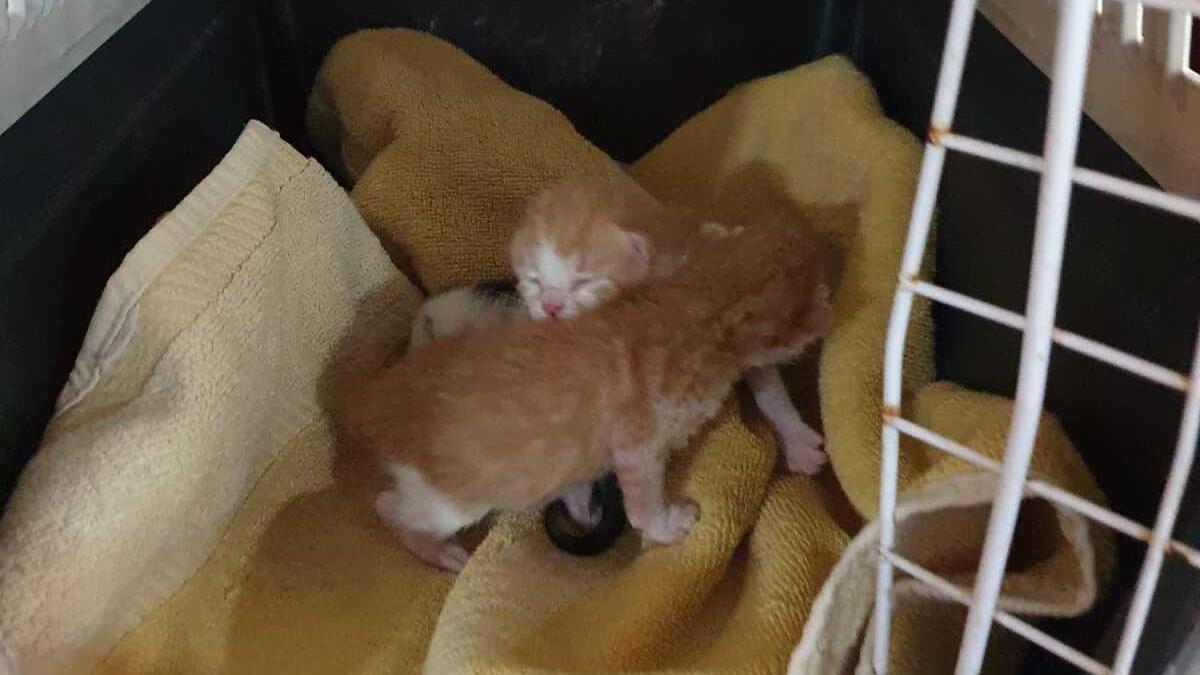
(501, 290)
(568, 537)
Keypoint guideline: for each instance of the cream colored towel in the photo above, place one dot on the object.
(199, 370)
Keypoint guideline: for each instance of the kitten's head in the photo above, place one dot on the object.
(576, 247)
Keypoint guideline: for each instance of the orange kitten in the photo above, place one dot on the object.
(507, 418)
(584, 239)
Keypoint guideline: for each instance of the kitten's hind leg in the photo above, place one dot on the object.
(607, 508)
(578, 500)
(801, 443)
(425, 519)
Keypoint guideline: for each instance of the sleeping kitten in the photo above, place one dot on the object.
(584, 213)
(583, 239)
(618, 235)
(509, 417)
(596, 509)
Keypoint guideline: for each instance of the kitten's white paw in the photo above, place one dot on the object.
(390, 505)
(802, 450)
(804, 457)
(453, 557)
(672, 523)
(445, 554)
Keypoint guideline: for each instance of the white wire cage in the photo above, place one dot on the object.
(1059, 175)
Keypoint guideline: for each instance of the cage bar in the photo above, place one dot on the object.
(1047, 491)
(1127, 189)
(1073, 341)
(1062, 135)
(954, 56)
(1058, 174)
(1022, 628)
(1164, 525)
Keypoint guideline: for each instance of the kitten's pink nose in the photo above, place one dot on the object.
(552, 306)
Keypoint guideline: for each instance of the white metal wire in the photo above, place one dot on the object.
(1058, 173)
(1054, 196)
(1164, 523)
(954, 57)
(1047, 491)
(1070, 654)
(1074, 342)
(1126, 189)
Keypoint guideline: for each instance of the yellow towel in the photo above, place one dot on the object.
(237, 537)
(470, 149)
(736, 595)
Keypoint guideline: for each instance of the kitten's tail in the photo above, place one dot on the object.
(565, 534)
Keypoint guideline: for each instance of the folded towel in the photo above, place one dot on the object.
(191, 417)
(192, 512)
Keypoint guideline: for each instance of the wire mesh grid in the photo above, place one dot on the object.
(1058, 177)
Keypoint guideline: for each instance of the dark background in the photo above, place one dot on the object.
(86, 172)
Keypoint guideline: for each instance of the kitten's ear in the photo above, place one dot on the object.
(638, 244)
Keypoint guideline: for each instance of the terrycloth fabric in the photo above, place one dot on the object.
(466, 153)
(196, 388)
(245, 544)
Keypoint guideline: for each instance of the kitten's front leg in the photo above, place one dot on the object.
(641, 472)
(801, 443)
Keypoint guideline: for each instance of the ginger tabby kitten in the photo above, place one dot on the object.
(507, 418)
(582, 240)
